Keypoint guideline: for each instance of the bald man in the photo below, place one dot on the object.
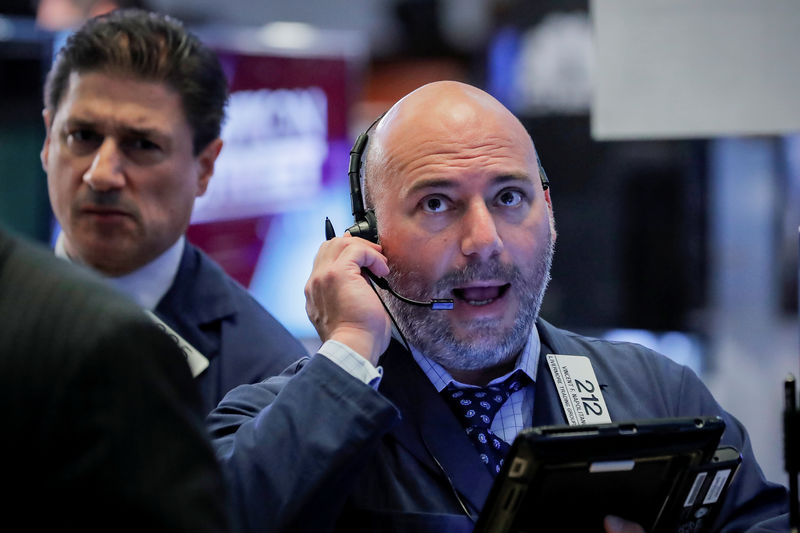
(365, 435)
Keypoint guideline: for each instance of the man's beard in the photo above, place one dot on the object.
(487, 344)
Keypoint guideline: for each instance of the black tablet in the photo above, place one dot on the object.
(568, 478)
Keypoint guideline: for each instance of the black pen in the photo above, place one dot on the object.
(329, 233)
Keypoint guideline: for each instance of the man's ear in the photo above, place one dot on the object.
(47, 116)
(205, 160)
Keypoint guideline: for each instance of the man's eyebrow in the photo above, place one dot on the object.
(512, 178)
(431, 183)
(79, 123)
(444, 183)
(126, 130)
(143, 132)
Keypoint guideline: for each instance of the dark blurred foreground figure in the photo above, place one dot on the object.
(463, 211)
(133, 110)
(102, 428)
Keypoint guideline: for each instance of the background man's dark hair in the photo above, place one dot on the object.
(150, 47)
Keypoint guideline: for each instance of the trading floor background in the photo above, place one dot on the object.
(686, 242)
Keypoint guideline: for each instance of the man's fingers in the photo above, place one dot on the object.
(331, 250)
(366, 258)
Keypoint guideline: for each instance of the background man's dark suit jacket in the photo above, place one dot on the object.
(216, 315)
(317, 450)
(102, 429)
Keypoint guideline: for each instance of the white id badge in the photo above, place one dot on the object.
(578, 390)
(197, 361)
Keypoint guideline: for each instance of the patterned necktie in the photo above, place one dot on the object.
(476, 408)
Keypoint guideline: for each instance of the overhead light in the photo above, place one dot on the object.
(297, 35)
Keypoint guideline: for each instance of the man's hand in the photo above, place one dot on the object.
(615, 524)
(339, 301)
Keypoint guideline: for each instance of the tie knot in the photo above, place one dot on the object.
(477, 406)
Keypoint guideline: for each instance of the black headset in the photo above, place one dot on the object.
(366, 224)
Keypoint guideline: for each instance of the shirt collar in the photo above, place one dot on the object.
(148, 284)
(527, 361)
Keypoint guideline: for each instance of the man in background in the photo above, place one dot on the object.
(102, 426)
(133, 111)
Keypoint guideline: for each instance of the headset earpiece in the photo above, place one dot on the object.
(365, 227)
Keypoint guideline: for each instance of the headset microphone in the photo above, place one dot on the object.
(437, 304)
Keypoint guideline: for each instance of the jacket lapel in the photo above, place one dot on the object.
(195, 304)
(546, 404)
(429, 430)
